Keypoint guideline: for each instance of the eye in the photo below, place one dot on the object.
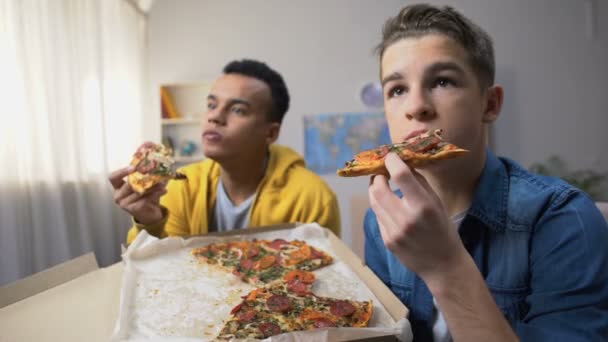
(395, 91)
(443, 82)
(240, 110)
(211, 105)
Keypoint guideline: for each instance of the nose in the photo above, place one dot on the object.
(216, 116)
(418, 106)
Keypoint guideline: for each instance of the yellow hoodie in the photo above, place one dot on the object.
(289, 192)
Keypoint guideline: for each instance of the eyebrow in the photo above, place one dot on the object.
(441, 66)
(392, 77)
(232, 101)
(432, 69)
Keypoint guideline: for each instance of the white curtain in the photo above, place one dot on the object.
(71, 91)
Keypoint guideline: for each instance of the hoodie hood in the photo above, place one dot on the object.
(281, 159)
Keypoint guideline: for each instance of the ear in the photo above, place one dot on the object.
(493, 105)
(272, 133)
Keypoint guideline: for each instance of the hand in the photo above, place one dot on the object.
(416, 228)
(144, 208)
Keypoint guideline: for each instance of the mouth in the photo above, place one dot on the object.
(211, 135)
(414, 133)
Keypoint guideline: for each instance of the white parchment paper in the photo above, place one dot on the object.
(168, 295)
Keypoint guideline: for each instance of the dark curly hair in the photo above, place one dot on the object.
(274, 80)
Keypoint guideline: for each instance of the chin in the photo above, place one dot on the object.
(213, 153)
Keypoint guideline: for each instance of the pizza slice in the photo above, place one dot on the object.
(416, 152)
(289, 306)
(260, 262)
(153, 164)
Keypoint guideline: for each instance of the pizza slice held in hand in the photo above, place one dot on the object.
(417, 151)
(153, 164)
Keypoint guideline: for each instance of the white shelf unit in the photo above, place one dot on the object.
(190, 101)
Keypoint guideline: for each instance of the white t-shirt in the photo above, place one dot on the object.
(227, 216)
(440, 328)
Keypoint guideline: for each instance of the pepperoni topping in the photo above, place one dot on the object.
(297, 287)
(269, 329)
(145, 148)
(342, 308)
(148, 145)
(315, 254)
(277, 243)
(423, 142)
(380, 152)
(323, 323)
(253, 251)
(246, 264)
(278, 303)
(236, 309)
(246, 316)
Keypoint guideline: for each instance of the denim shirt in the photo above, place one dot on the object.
(541, 246)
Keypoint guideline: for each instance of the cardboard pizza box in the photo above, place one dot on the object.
(393, 305)
(85, 308)
(47, 279)
(358, 206)
(82, 309)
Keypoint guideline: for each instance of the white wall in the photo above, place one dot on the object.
(554, 72)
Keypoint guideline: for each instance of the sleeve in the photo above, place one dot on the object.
(330, 216)
(156, 229)
(375, 251)
(174, 222)
(569, 274)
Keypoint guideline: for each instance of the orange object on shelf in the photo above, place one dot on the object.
(168, 106)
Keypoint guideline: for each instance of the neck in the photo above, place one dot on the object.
(242, 177)
(456, 188)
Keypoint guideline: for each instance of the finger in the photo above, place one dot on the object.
(387, 206)
(422, 181)
(151, 196)
(116, 177)
(403, 176)
(155, 195)
(377, 209)
(158, 187)
(121, 193)
(381, 193)
(127, 201)
(426, 189)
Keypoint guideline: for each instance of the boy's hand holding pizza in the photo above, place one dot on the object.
(145, 208)
(147, 177)
(416, 227)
